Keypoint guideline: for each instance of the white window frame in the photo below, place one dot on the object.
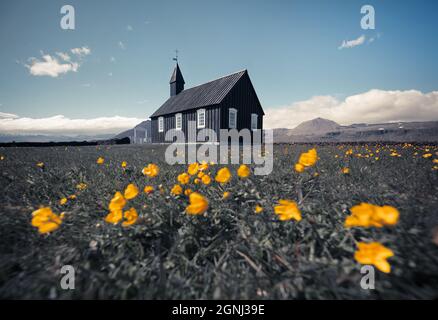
(160, 124)
(178, 116)
(232, 111)
(254, 121)
(198, 117)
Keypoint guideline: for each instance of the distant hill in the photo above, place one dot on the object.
(143, 131)
(315, 127)
(323, 130)
(65, 143)
(5, 138)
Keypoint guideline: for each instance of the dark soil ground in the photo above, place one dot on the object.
(231, 253)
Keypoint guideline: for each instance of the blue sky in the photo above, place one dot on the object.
(290, 48)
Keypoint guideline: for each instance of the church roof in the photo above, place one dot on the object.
(207, 94)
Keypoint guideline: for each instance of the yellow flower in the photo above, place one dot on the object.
(193, 169)
(386, 215)
(117, 202)
(206, 179)
(183, 178)
(349, 152)
(176, 190)
(200, 174)
(72, 197)
(375, 254)
(188, 192)
(309, 158)
(198, 204)
(376, 158)
(114, 217)
(124, 164)
(148, 189)
(45, 220)
(306, 159)
(81, 186)
(131, 217)
(346, 170)
(258, 209)
(131, 191)
(152, 170)
(287, 210)
(100, 160)
(2, 158)
(316, 174)
(40, 164)
(369, 215)
(226, 195)
(223, 175)
(243, 171)
(435, 160)
(299, 167)
(361, 215)
(197, 180)
(427, 155)
(63, 201)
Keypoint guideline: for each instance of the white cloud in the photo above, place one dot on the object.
(4, 115)
(112, 59)
(50, 66)
(62, 125)
(129, 28)
(352, 43)
(121, 45)
(63, 56)
(83, 51)
(374, 106)
(142, 101)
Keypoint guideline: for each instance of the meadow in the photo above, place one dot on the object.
(238, 247)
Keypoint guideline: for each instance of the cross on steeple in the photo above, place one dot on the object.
(176, 56)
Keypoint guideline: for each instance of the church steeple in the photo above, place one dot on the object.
(176, 81)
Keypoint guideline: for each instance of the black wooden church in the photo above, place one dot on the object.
(229, 102)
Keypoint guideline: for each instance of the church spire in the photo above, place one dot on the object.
(176, 81)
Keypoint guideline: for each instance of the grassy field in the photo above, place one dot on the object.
(231, 252)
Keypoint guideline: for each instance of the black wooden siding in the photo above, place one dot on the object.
(241, 97)
(212, 121)
(244, 99)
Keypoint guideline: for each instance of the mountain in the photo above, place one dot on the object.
(142, 131)
(315, 127)
(323, 130)
(5, 138)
